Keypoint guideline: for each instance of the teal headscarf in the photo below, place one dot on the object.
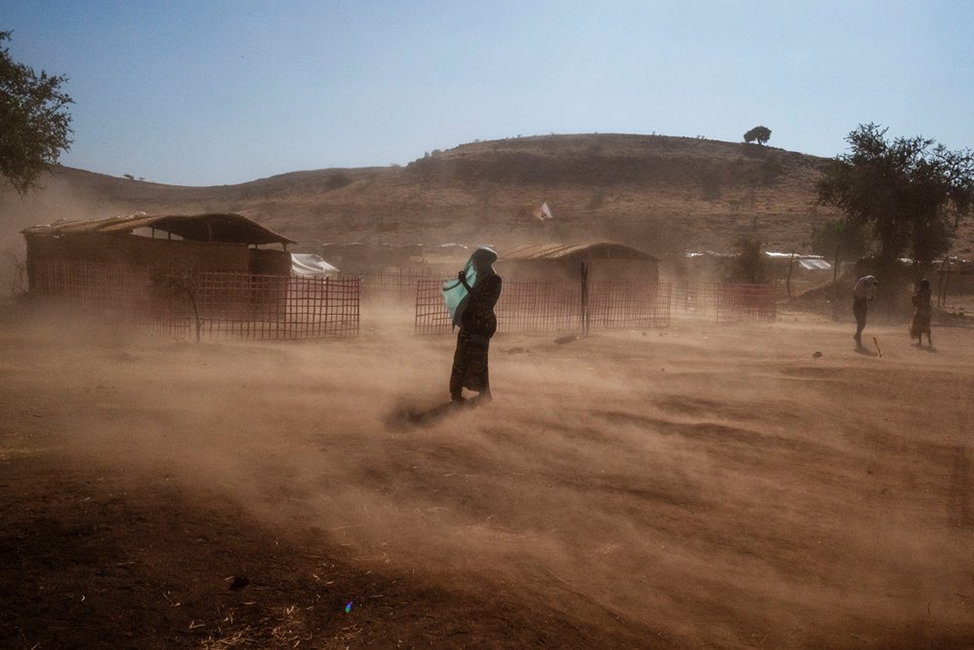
(455, 295)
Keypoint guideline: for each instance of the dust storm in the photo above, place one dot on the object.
(691, 486)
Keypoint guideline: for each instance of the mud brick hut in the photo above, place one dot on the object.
(604, 261)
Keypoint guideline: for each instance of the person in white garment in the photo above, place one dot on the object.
(862, 293)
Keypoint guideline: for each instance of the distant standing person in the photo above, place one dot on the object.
(477, 322)
(921, 314)
(862, 293)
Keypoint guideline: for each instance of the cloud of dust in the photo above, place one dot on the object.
(687, 483)
(56, 198)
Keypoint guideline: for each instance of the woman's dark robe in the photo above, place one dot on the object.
(477, 324)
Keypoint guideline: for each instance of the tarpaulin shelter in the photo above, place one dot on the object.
(309, 265)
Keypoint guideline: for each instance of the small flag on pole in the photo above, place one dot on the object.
(543, 213)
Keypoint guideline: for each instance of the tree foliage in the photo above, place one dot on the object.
(759, 134)
(749, 263)
(839, 239)
(911, 192)
(34, 122)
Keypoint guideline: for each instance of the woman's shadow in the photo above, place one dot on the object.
(406, 415)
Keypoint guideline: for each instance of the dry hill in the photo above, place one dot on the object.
(663, 194)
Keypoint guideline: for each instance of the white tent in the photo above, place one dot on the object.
(309, 265)
(805, 262)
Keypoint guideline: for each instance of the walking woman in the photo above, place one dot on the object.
(862, 293)
(478, 288)
(921, 314)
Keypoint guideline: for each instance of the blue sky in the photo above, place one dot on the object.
(208, 92)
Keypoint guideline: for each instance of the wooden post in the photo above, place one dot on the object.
(791, 265)
(835, 286)
(585, 313)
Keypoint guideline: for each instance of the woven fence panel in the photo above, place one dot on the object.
(615, 305)
(531, 306)
(432, 316)
(129, 297)
(323, 307)
(659, 309)
(695, 297)
(218, 305)
(240, 305)
(737, 303)
(534, 306)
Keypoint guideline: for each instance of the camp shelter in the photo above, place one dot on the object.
(707, 266)
(799, 262)
(309, 265)
(604, 261)
(203, 242)
(797, 271)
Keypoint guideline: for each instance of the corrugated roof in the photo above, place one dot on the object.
(814, 264)
(227, 228)
(600, 250)
(808, 262)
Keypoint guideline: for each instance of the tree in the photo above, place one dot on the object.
(842, 240)
(34, 122)
(839, 239)
(760, 134)
(911, 192)
(749, 263)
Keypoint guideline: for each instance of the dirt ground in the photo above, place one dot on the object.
(700, 486)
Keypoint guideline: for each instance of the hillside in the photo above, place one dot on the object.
(663, 194)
